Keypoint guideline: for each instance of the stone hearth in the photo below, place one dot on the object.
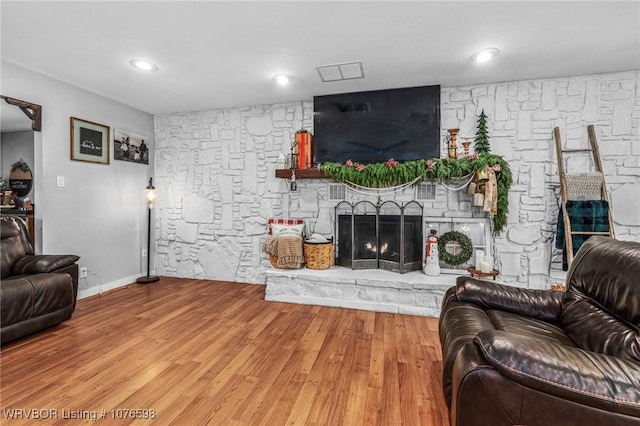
(413, 293)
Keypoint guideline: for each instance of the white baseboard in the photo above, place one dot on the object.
(92, 291)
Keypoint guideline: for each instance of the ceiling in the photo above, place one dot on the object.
(224, 54)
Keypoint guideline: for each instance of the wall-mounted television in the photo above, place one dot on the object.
(375, 126)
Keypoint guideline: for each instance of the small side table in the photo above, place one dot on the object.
(474, 272)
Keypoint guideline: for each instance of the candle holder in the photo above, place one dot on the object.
(304, 144)
(295, 156)
(465, 145)
(478, 199)
(453, 147)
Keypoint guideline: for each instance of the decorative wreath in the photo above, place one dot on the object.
(466, 248)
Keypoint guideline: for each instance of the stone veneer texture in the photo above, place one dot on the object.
(215, 173)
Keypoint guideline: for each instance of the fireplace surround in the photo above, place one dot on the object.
(385, 235)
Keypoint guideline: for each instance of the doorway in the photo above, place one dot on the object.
(20, 149)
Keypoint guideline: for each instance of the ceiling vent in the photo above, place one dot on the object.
(337, 72)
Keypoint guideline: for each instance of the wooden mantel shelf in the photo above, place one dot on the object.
(302, 174)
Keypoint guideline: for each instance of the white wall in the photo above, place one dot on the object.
(522, 116)
(100, 213)
(216, 172)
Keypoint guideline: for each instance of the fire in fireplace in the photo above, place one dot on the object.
(385, 241)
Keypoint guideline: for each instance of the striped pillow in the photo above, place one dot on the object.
(279, 221)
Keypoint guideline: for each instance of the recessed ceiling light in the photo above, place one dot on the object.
(143, 65)
(282, 79)
(484, 55)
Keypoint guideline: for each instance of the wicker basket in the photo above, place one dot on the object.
(274, 263)
(584, 186)
(318, 255)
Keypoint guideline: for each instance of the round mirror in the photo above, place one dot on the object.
(20, 178)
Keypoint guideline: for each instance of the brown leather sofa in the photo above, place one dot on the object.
(515, 356)
(36, 291)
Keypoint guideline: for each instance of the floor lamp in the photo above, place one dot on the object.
(150, 196)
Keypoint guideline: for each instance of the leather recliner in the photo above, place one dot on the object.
(514, 356)
(36, 291)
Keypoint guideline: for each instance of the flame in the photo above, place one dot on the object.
(384, 247)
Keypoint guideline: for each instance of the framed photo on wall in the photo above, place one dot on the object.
(129, 146)
(89, 141)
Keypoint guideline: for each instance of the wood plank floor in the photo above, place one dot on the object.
(209, 352)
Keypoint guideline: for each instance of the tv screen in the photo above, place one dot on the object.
(375, 126)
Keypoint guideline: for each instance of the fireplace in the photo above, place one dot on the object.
(384, 236)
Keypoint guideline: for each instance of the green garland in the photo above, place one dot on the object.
(380, 175)
(466, 248)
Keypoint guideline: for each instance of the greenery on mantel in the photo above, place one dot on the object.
(391, 173)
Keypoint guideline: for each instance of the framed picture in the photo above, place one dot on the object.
(129, 146)
(89, 141)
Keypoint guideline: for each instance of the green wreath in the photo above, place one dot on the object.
(466, 248)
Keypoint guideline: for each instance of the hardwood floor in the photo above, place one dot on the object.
(210, 352)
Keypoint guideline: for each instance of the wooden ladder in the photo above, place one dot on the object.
(568, 231)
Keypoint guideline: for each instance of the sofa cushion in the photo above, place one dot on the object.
(461, 322)
(459, 325)
(51, 292)
(13, 243)
(601, 308)
(589, 378)
(34, 295)
(16, 300)
(541, 304)
(37, 264)
(11, 250)
(526, 326)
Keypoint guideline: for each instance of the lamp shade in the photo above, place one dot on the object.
(150, 194)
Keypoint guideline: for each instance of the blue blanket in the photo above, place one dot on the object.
(585, 216)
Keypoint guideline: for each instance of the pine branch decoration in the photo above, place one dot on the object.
(380, 175)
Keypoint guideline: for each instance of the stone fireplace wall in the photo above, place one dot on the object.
(215, 173)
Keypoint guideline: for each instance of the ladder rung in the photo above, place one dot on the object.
(577, 150)
(589, 233)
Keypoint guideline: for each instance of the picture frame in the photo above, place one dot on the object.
(131, 147)
(90, 141)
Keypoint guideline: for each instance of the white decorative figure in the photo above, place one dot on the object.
(432, 258)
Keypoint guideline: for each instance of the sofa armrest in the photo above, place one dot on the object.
(38, 264)
(544, 305)
(568, 372)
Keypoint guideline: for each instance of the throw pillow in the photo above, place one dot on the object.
(279, 230)
(279, 221)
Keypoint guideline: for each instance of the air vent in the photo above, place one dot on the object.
(337, 72)
(426, 191)
(337, 192)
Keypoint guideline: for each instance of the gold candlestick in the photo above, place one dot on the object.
(465, 145)
(453, 147)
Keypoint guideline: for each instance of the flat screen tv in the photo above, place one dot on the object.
(374, 126)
